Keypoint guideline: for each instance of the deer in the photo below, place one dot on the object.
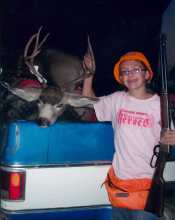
(63, 72)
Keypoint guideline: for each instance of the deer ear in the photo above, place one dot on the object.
(76, 100)
(27, 94)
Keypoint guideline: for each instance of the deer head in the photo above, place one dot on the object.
(52, 100)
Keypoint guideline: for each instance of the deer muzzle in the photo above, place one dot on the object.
(43, 122)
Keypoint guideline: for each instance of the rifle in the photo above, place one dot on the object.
(155, 199)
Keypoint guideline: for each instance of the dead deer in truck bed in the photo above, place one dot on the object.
(59, 74)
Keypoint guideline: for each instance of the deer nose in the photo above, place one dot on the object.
(43, 122)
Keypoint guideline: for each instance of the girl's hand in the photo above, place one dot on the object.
(87, 62)
(168, 137)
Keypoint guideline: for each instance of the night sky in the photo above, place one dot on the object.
(114, 27)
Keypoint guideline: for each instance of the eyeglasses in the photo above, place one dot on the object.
(133, 71)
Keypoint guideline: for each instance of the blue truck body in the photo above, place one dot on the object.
(26, 146)
(65, 165)
(27, 143)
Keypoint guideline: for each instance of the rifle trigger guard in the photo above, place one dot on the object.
(155, 154)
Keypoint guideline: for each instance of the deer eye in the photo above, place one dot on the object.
(59, 105)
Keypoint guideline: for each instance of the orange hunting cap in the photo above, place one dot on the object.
(132, 56)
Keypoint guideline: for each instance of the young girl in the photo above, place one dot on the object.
(135, 117)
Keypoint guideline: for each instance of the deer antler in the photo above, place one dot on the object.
(35, 52)
(92, 70)
(89, 71)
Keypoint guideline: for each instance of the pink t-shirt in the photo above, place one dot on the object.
(136, 131)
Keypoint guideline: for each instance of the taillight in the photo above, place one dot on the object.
(13, 185)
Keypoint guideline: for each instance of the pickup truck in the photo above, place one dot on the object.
(58, 172)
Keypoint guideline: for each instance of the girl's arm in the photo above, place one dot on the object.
(87, 84)
(87, 87)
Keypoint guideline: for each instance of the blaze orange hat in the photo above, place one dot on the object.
(132, 56)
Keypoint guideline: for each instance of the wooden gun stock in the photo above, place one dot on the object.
(155, 200)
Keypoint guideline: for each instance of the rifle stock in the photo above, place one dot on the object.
(155, 199)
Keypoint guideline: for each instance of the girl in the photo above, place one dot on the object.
(135, 117)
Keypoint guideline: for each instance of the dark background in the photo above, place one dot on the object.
(114, 26)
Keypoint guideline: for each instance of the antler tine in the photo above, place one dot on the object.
(37, 47)
(27, 47)
(90, 51)
(43, 40)
(35, 52)
(88, 71)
